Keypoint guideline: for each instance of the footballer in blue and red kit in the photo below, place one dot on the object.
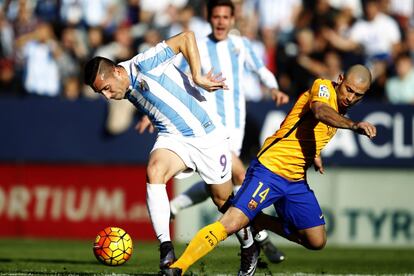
(278, 175)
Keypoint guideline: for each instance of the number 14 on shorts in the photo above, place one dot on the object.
(262, 193)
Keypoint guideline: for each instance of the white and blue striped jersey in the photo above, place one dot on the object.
(232, 57)
(164, 93)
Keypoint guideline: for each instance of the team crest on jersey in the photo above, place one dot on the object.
(236, 51)
(252, 204)
(323, 92)
(143, 85)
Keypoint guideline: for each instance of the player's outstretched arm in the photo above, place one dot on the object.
(365, 128)
(329, 116)
(185, 43)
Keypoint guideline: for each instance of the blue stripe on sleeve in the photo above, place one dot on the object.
(236, 82)
(212, 52)
(152, 62)
(258, 63)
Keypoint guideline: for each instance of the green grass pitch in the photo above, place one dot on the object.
(58, 257)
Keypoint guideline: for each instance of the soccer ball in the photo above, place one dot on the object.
(113, 246)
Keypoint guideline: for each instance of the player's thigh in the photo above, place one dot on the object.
(260, 189)
(170, 156)
(163, 164)
(236, 142)
(238, 170)
(300, 211)
(220, 192)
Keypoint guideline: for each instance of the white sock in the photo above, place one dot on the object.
(245, 237)
(261, 236)
(194, 195)
(159, 210)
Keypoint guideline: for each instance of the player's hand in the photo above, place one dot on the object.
(211, 82)
(318, 165)
(365, 128)
(143, 124)
(279, 97)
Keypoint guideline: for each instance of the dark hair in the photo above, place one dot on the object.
(94, 66)
(215, 3)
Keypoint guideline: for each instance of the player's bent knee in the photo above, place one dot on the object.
(155, 174)
(218, 200)
(151, 171)
(317, 243)
(220, 193)
(314, 238)
(238, 178)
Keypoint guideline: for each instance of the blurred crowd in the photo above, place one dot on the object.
(44, 43)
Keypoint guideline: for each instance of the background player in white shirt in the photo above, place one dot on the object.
(189, 136)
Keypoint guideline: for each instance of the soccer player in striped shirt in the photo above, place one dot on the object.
(190, 137)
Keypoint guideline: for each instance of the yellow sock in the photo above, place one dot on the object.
(203, 242)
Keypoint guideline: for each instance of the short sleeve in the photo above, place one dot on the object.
(154, 57)
(321, 91)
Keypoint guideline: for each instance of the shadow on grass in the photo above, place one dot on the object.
(55, 261)
(61, 261)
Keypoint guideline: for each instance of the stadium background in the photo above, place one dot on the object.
(67, 173)
(67, 170)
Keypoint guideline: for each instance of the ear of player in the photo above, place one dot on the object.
(112, 246)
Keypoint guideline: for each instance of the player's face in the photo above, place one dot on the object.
(350, 92)
(221, 22)
(111, 86)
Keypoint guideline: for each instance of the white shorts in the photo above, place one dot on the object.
(209, 156)
(236, 140)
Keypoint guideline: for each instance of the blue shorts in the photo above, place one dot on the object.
(295, 202)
